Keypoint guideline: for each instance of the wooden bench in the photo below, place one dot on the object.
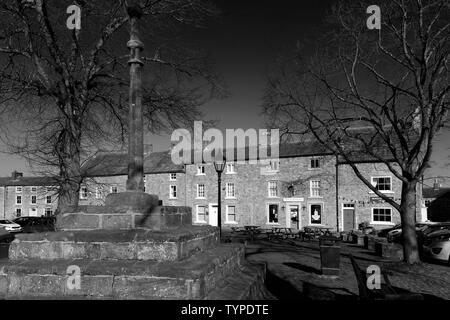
(386, 292)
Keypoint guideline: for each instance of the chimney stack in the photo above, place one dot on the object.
(436, 185)
(16, 175)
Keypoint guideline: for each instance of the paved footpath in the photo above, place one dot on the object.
(294, 271)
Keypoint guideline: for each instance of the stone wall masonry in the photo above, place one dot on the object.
(252, 195)
(353, 191)
(194, 278)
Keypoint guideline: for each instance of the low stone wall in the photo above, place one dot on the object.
(392, 251)
(115, 245)
(101, 218)
(213, 274)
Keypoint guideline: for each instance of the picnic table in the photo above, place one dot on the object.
(282, 232)
(249, 230)
(314, 232)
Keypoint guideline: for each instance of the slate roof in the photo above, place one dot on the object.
(433, 193)
(113, 164)
(28, 181)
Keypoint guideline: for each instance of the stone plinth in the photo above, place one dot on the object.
(115, 245)
(117, 218)
(392, 251)
(218, 273)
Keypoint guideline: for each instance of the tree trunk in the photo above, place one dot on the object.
(69, 155)
(408, 219)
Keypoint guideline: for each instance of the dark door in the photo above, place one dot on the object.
(349, 218)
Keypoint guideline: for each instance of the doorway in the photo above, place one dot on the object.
(348, 216)
(213, 212)
(293, 211)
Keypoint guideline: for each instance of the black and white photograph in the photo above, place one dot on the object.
(227, 154)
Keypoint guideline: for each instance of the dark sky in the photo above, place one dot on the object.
(245, 43)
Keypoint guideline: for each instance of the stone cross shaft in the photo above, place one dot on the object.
(135, 180)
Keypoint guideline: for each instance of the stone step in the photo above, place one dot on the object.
(246, 283)
(138, 244)
(192, 278)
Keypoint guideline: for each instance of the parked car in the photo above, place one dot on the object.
(5, 236)
(395, 235)
(384, 232)
(10, 226)
(37, 224)
(437, 245)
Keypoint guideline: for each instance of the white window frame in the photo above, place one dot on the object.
(82, 196)
(21, 200)
(199, 171)
(227, 196)
(235, 215)
(268, 204)
(311, 188)
(233, 166)
(21, 211)
(172, 177)
(196, 214)
(35, 199)
(97, 193)
(35, 189)
(198, 191)
(380, 222)
(112, 187)
(46, 199)
(269, 189)
(19, 189)
(49, 209)
(372, 181)
(174, 188)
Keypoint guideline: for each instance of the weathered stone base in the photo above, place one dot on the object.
(219, 273)
(114, 244)
(107, 218)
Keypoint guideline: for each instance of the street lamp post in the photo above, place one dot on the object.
(219, 165)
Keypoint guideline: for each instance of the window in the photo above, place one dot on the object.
(230, 168)
(83, 193)
(315, 188)
(230, 190)
(114, 189)
(33, 199)
(315, 212)
(48, 199)
(231, 214)
(33, 189)
(273, 213)
(315, 163)
(173, 192)
(382, 183)
(201, 169)
(273, 189)
(274, 165)
(18, 199)
(48, 212)
(18, 212)
(19, 189)
(382, 215)
(201, 213)
(173, 177)
(98, 194)
(200, 191)
(144, 180)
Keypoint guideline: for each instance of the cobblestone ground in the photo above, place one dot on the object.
(294, 271)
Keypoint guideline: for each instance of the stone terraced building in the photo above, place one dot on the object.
(306, 186)
(27, 196)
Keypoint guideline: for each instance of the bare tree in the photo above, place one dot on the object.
(64, 92)
(393, 82)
